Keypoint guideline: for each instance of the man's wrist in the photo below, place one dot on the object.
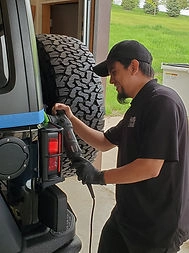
(101, 178)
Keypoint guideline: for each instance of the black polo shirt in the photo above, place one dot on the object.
(154, 211)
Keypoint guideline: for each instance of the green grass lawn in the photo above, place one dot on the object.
(167, 39)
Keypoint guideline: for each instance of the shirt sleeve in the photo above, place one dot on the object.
(113, 134)
(160, 131)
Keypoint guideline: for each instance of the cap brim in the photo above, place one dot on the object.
(101, 69)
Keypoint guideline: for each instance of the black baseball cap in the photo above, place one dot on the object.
(124, 50)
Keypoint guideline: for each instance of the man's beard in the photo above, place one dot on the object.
(122, 97)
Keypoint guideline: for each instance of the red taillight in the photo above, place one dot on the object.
(51, 149)
(53, 146)
(53, 164)
(54, 152)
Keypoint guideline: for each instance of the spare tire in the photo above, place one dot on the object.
(67, 76)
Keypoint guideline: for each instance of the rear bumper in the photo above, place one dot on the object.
(54, 242)
(73, 247)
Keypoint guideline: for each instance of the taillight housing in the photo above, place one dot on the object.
(50, 154)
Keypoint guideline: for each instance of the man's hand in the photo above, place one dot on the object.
(87, 172)
(65, 108)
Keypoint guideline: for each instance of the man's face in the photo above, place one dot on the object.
(119, 76)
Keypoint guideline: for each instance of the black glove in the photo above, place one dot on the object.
(87, 172)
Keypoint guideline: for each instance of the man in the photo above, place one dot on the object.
(152, 178)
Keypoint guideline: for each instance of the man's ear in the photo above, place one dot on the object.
(134, 66)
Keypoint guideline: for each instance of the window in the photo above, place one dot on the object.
(4, 73)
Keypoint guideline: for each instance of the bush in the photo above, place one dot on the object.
(173, 8)
(130, 4)
(150, 7)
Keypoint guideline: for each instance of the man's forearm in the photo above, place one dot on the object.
(91, 136)
(136, 171)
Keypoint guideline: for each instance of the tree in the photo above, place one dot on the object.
(177, 4)
(151, 7)
(173, 8)
(184, 4)
(130, 4)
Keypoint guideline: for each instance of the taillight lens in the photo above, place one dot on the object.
(50, 153)
(53, 146)
(54, 152)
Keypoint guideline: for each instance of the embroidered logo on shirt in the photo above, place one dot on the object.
(132, 121)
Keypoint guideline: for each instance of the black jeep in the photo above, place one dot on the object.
(34, 213)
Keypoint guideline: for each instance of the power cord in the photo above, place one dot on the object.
(92, 216)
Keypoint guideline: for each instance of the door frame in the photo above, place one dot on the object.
(89, 19)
